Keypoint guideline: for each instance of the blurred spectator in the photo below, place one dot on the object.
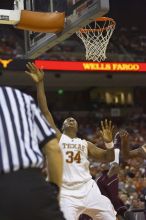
(10, 45)
(125, 45)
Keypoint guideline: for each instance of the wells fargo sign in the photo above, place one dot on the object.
(19, 64)
(91, 66)
(113, 66)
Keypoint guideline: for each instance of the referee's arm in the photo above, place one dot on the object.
(54, 161)
(48, 143)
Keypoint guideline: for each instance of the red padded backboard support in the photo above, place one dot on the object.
(47, 22)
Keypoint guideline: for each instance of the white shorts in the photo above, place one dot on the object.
(93, 204)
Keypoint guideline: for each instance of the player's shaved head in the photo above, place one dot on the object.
(70, 123)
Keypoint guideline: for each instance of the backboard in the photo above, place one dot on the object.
(78, 14)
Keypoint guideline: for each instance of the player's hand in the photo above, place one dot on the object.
(114, 169)
(124, 135)
(107, 131)
(36, 74)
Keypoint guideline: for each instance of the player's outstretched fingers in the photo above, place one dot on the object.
(30, 67)
(102, 125)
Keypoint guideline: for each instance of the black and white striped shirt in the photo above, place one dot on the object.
(23, 131)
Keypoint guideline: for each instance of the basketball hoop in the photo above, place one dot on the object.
(96, 36)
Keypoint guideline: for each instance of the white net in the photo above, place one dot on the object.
(96, 36)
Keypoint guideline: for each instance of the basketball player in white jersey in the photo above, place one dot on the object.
(79, 193)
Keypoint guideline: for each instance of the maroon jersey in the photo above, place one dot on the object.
(109, 188)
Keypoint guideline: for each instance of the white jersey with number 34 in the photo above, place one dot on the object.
(76, 165)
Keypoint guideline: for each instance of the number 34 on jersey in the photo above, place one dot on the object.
(73, 157)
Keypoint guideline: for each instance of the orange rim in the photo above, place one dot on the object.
(104, 19)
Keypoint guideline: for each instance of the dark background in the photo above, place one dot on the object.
(129, 13)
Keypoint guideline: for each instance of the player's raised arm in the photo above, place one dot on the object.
(38, 77)
(107, 134)
(127, 153)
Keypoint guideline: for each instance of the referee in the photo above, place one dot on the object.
(24, 135)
